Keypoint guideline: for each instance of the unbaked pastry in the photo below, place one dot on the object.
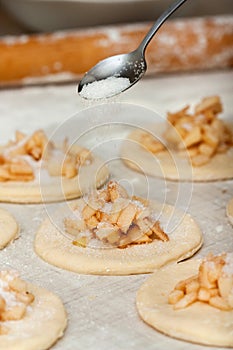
(110, 233)
(31, 318)
(34, 169)
(8, 228)
(192, 300)
(196, 146)
(230, 210)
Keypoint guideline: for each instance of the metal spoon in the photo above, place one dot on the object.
(131, 65)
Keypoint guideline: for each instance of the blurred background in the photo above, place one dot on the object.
(26, 16)
(200, 43)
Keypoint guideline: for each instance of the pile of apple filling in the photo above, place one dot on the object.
(19, 159)
(110, 216)
(201, 133)
(14, 299)
(212, 285)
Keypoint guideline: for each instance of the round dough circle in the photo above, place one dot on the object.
(57, 249)
(178, 168)
(8, 228)
(52, 189)
(41, 327)
(198, 323)
(230, 210)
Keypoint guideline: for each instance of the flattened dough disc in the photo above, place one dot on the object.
(198, 323)
(57, 249)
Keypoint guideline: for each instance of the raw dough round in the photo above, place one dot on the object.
(56, 248)
(198, 323)
(230, 210)
(42, 326)
(48, 188)
(8, 228)
(171, 166)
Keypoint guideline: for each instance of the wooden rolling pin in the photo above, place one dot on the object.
(180, 45)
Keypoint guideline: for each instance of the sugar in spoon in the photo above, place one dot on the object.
(116, 74)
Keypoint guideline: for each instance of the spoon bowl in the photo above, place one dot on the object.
(129, 67)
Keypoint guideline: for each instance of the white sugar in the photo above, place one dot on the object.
(138, 204)
(107, 208)
(77, 214)
(211, 265)
(7, 295)
(187, 126)
(219, 228)
(228, 267)
(104, 88)
(86, 234)
(103, 224)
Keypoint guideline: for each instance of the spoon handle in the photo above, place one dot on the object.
(172, 8)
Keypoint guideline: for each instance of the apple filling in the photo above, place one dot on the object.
(20, 158)
(212, 285)
(201, 133)
(113, 218)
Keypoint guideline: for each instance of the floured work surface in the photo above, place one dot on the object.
(101, 309)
